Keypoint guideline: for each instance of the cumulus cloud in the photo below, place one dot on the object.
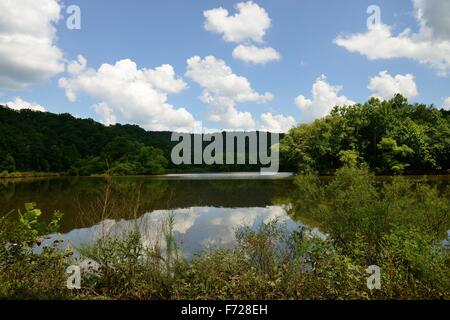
(164, 79)
(217, 78)
(446, 104)
(430, 45)
(434, 15)
(324, 98)
(18, 104)
(249, 23)
(77, 66)
(276, 123)
(222, 89)
(106, 113)
(28, 51)
(385, 86)
(126, 92)
(255, 55)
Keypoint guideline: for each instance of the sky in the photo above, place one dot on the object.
(220, 65)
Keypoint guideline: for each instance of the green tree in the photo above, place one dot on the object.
(395, 157)
(151, 160)
(420, 138)
(349, 158)
(120, 148)
(7, 163)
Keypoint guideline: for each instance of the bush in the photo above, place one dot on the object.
(355, 205)
(24, 273)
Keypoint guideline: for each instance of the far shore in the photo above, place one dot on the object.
(213, 175)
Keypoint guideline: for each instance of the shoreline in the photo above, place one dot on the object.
(171, 175)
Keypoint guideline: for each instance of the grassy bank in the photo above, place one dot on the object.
(23, 175)
(398, 227)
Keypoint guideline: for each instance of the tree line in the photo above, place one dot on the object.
(46, 142)
(32, 141)
(391, 136)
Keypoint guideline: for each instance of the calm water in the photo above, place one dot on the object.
(207, 209)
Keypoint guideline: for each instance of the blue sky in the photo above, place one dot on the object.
(149, 34)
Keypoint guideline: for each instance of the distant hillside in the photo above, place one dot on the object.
(47, 142)
(390, 136)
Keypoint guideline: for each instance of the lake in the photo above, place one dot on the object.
(207, 209)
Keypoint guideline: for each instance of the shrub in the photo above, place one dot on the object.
(24, 273)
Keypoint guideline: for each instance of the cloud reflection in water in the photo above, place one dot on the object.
(194, 228)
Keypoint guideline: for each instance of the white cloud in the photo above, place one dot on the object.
(28, 53)
(224, 111)
(431, 45)
(164, 79)
(255, 55)
(249, 23)
(434, 15)
(276, 123)
(19, 104)
(446, 104)
(125, 92)
(324, 98)
(77, 66)
(106, 113)
(217, 78)
(385, 86)
(222, 89)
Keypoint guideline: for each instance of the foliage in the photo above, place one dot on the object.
(24, 273)
(45, 142)
(349, 158)
(7, 163)
(354, 206)
(393, 155)
(390, 136)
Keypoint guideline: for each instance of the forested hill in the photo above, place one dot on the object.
(42, 141)
(390, 136)
(47, 142)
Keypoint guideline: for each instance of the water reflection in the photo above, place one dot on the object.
(207, 208)
(228, 176)
(195, 228)
(80, 199)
